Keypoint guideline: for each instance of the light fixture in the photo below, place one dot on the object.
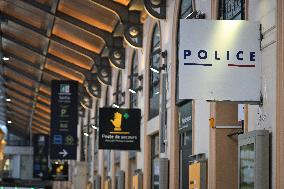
(8, 100)
(94, 127)
(135, 90)
(132, 91)
(115, 105)
(9, 121)
(157, 70)
(156, 2)
(133, 31)
(86, 134)
(154, 70)
(5, 58)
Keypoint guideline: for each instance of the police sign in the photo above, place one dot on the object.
(219, 60)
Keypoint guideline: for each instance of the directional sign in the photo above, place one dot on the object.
(64, 119)
(41, 156)
(119, 129)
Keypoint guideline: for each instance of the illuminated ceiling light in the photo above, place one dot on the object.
(5, 58)
(9, 121)
(155, 2)
(132, 91)
(8, 100)
(86, 134)
(133, 31)
(154, 70)
(115, 106)
(56, 162)
(117, 54)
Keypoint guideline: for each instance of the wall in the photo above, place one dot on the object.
(264, 117)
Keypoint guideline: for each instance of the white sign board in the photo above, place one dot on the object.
(219, 60)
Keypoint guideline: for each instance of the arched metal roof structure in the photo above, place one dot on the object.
(45, 40)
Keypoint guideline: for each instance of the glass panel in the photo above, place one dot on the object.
(134, 81)
(185, 8)
(119, 97)
(247, 166)
(185, 115)
(154, 75)
(232, 10)
(155, 162)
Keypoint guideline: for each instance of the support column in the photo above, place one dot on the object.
(280, 97)
(223, 154)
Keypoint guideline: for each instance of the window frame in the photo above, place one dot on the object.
(133, 80)
(222, 14)
(119, 94)
(154, 78)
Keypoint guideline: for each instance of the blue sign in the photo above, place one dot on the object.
(41, 156)
(64, 120)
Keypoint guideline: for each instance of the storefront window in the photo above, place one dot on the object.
(134, 81)
(155, 162)
(185, 135)
(154, 87)
(232, 10)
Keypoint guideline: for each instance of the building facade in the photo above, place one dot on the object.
(172, 131)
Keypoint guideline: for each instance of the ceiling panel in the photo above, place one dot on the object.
(45, 2)
(19, 110)
(35, 73)
(43, 107)
(41, 120)
(26, 13)
(45, 89)
(90, 12)
(63, 70)
(43, 99)
(20, 78)
(24, 35)
(15, 95)
(70, 55)
(42, 114)
(22, 52)
(78, 36)
(123, 2)
(21, 89)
